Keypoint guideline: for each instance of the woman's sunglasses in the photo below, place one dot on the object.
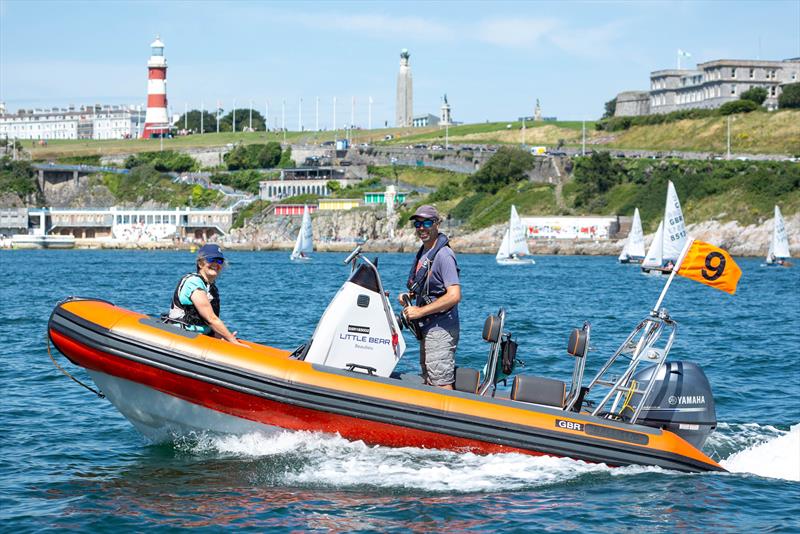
(427, 223)
(218, 261)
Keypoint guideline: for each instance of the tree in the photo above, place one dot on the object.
(595, 175)
(192, 121)
(755, 94)
(286, 159)
(737, 106)
(507, 165)
(19, 178)
(790, 96)
(611, 108)
(242, 121)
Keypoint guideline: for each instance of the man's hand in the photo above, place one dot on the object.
(401, 298)
(413, 312)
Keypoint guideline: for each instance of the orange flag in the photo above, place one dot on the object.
(712, 266)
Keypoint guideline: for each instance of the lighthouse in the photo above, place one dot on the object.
(156, 121)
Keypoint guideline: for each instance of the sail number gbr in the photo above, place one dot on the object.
(714, 266)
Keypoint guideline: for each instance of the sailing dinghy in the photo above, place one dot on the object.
(305, 239)
(633, 251)
(514, 248)
(670, 238)
(778, 254)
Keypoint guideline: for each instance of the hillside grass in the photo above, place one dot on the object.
(758, 132)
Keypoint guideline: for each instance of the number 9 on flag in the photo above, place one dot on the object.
(710, 265)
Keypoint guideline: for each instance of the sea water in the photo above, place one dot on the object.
(70, 460)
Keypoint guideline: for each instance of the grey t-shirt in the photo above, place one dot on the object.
(443, 274)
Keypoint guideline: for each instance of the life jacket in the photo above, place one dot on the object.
(419, 279)
(187, 314)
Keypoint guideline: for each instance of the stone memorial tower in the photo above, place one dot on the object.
(404, 105)
(444, 114)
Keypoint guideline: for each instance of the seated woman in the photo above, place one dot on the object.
(195, 302)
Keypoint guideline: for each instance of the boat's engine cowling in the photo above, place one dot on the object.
(680, 401)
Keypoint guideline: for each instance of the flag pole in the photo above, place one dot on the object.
(675, 268)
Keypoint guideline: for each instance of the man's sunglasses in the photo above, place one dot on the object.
(427, 223)
(218, 261)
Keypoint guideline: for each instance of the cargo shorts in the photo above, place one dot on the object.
(437, 356)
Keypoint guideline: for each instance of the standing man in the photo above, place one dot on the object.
(434, 284)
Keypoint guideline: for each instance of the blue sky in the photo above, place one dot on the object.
(492, 59)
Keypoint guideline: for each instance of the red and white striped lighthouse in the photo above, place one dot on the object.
(156, 120)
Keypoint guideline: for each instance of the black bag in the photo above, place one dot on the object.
(508, 356)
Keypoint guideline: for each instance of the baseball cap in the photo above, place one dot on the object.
(425, 211)
(210, 251)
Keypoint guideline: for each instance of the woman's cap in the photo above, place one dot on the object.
(210, 251)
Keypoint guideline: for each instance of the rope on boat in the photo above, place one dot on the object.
(67, 373)
(628, 397)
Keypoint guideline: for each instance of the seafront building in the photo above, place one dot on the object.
(708, 86)
(85, 122)
(123, 225)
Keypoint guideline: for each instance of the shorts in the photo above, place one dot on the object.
(437, 356)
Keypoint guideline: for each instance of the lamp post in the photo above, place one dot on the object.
(729, 138)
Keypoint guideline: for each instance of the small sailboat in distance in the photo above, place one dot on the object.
(668, 244)
(778, 254)
(305, 239)
(514, 248)
(633, 251)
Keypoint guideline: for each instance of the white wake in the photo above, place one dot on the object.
(775, 457)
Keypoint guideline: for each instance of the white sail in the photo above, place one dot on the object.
(634, 246)
(515, 243)
(655, 254)
(779, 248)
(504, 251)
(305, 239)
(674, 226)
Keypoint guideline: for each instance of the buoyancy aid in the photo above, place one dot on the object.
(419, 279)
(187, 314)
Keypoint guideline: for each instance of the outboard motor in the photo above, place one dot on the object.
(358, 331)
(680, 401)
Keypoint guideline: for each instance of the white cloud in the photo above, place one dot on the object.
(516, 32)
(378, 25)
(533, 33)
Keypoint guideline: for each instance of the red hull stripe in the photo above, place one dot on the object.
(156, 101)
(254, 408)
(156, 73)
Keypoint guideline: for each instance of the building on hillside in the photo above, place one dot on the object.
(294, 209)
(404, 102)
(373, 198)
(425, 120)
(303, 181)
(86, 122)
(708, 86)
(338, 204)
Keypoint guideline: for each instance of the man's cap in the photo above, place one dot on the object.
(210, 251)
(425, 212)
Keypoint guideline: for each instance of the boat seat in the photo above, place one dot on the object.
(467, 380)
(538, 390)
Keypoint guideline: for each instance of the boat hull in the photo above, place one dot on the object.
(509, 261)
(170, 382)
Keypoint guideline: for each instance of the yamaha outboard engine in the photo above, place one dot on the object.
(680, 401)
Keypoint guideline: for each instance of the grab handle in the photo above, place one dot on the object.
(353, 255)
